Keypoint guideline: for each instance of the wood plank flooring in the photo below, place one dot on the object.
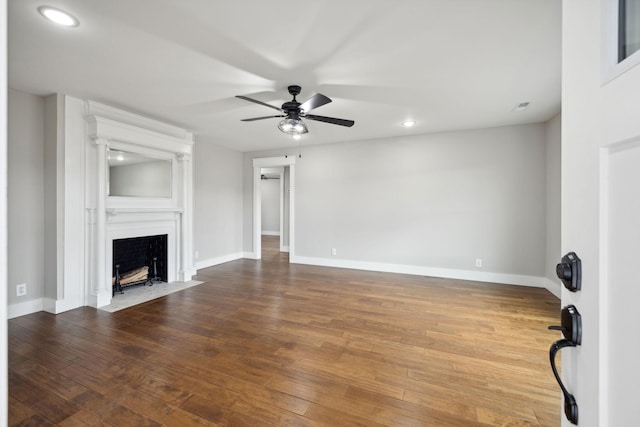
(265, 343)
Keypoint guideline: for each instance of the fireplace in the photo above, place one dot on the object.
(139, 260)
(112, 217)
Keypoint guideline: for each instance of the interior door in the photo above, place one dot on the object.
(601, 212)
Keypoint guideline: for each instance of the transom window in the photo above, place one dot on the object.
(628, 28)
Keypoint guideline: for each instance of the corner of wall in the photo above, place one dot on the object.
(553, 287)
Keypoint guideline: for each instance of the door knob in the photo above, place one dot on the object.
(569, 271)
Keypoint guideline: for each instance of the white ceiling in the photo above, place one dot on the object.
(448, 64)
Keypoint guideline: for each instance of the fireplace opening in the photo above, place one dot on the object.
(139, 261)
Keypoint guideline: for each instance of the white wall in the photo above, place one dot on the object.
(270, 193)
(217, 204)
(553, 157)
(26, 196)
(439, 200)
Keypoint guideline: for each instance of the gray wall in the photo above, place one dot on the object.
(270, 208)
(553, 152)
(439, 200)
(25, 195)
(217, 198)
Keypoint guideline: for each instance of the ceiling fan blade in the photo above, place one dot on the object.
(246, 98)
(332, 120)
(261, 118)
(317, 100)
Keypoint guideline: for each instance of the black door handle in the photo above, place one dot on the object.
(570, 405)
(572, 331)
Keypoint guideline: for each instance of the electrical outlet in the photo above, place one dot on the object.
(479, 262)
(21, 289)
(333, 251)
(196, 255)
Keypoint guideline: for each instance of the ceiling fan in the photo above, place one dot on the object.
(293, 112)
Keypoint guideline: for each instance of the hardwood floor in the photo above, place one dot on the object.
(265, 343)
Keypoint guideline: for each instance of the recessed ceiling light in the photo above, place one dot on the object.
(408, 123)
(521, 106)
(58, 16)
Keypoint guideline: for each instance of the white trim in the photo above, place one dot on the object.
(270, 233)
(51, 305)
(113, 113)
(24, 308)
(265, 162)
(281, 200)
(4, 385)
(119, 211)
(258, 164)
(111, 130)
(603, 287)
(604, 304)
(292, 211)
(218, 260)
(284, 248)
(257, 211)
(477, 276)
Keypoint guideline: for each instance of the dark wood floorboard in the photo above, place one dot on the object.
(265, 343)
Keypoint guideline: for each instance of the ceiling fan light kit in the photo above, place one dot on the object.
(293, 126)
(293, 112)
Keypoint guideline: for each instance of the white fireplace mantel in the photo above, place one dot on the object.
(110, 218)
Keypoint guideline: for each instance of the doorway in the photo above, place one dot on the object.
(265, 170)
(274, 199)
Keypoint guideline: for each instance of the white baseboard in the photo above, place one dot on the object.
(24, 308)
(447, 273)
(218, 260)
(95, 300)
(284, 248)
(270, 233)
(59, 306)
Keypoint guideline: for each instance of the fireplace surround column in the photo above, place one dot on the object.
(99, 289)
(185, 271)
